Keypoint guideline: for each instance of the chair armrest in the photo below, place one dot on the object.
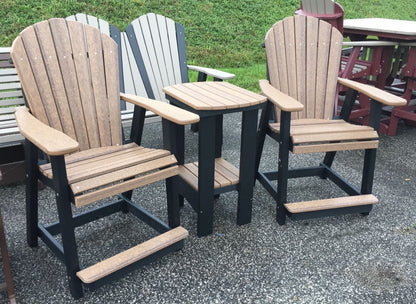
(369, 43)
(212, 72)
(281, 100)
(49, 140)
(373, 92)
(163, 109)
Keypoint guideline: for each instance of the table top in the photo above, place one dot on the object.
(381, 25)
(213, 95)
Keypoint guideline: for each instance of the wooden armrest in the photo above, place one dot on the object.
(163, 109)
(212, 72)
(281, 100)
(373, 92)
(369, 43)
(49, 140)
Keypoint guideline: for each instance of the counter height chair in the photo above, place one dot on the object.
(303, 55)
(69, 74)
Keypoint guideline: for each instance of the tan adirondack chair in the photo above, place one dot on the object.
(69, 73)
(303, 56)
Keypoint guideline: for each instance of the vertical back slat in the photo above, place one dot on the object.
(96, 63)
(30, 41)
(290, 45)
(271, 54)
(70, 79)
(127, 66)
(141, 41)
(300, 34)
(104, 26)
(27, 78)
(157, 48)
(333, 68)
(307, 5)
(81, 18)
(281, 57)
(329, 7)
(322, 67)
(133, 82)
(93, 21)
(54, 72)
(113, 90)
(76, 31)
(171, 29)
(311, 61)
(320, 6)
(165, 49)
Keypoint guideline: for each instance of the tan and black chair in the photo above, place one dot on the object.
(69, 74)
(303, 55)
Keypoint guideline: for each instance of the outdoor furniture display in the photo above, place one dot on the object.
(360, 60)
(303, 56)
(399, 31)
(8, 284)
(157, 50)
(212, 175)
(69, 74)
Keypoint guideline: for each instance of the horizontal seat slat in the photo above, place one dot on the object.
(12, 102)
(10, 86)
(8, 71)
(132, 255)
(342, 146)
(13, 130)
(118, 175)
(10, 139)
(330, 128)
(91, 153)
(111, 164)
(331, 203)
(225, 174)
(9, 78)
(9, 94)
(321, 137)
(91, 197)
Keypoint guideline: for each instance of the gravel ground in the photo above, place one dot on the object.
(345, 259)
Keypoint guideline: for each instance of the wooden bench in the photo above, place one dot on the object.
(11, 96)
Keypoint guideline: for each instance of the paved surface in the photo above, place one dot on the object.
(346, 259)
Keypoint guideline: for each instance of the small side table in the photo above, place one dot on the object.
(212, 175)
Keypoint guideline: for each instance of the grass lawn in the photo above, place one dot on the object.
(224, 34)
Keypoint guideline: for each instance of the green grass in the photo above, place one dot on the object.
(224, 34)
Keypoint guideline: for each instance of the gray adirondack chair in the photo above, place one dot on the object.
(157, 46)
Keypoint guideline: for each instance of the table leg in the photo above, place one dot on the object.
(247, 166)
(206, 168)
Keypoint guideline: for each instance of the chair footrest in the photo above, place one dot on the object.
(132, 255)
(331, 203)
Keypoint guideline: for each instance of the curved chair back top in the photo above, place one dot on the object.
(69, 74)
(303, 57)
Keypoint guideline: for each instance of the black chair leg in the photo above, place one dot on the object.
(31, 194)
(283, 167)
(173, 199)
(67, 226)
